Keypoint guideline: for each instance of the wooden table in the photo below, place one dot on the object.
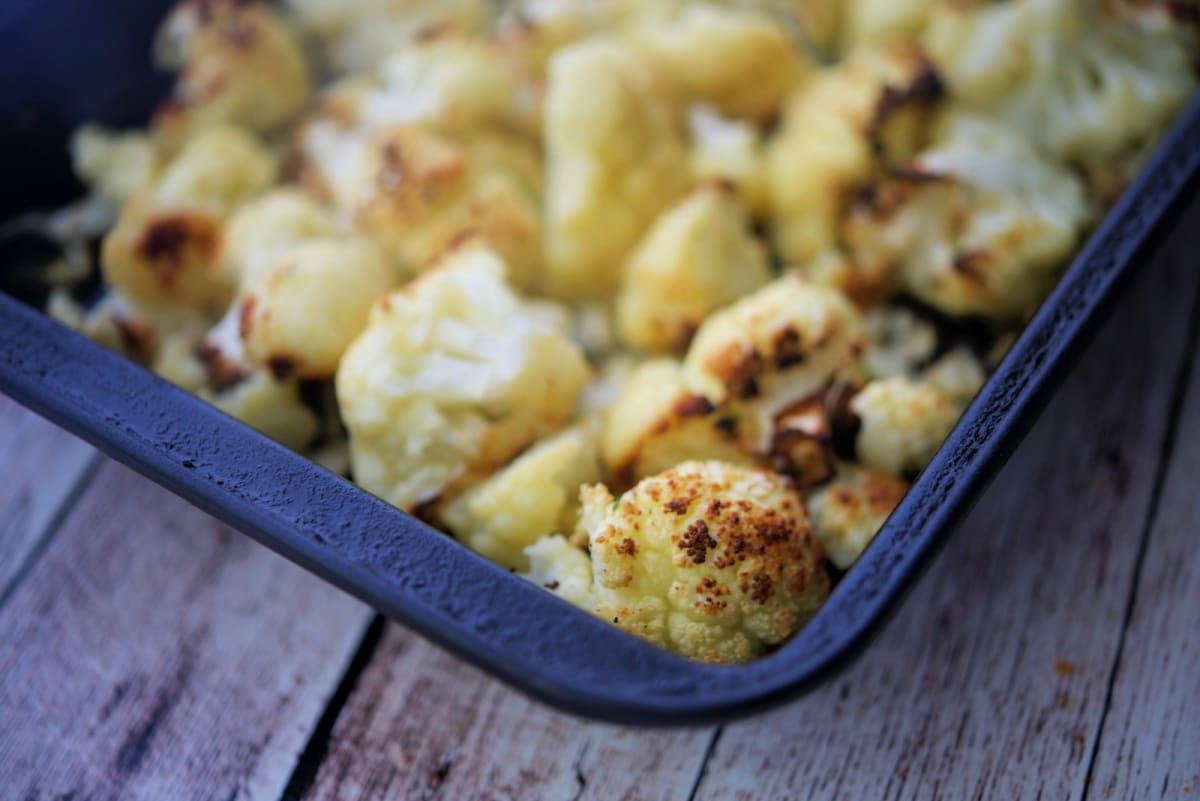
(1053, 650)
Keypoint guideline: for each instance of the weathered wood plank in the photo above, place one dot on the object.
(992, 680)
(43, 466)
(421, 724)
(1150, 744)
(152, 653)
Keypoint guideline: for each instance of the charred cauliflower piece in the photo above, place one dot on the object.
(1091, 81)
(976, 224)
(656, 422)
(840, 129)
(453, 375)
(238, 63)
(739, 60)
(298, 317)
(165, 247)
(903, 424)
(782, 344)
(848, 512)
(711, 561)
(416, 192)
(615, 158)
(536, 495)
(698, 256)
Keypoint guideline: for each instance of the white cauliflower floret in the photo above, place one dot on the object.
(711, 561)
(868, 22)
(1090, 81)
(903, 424)
(417, 192)
(656, 422)
(239, 64)
(358, 34)
(165, 247)
(840, 130)
(730, 151)
(114, 165)
(898, 341)
(615, 157)
(782, 344)
(263, 230)
(452, 377)
(557, 565)
(737, 59)
(298, 317)
(848, 512)
(270, 406)
(958, 375)
(977, 224)
(698, 256)
(536, 495)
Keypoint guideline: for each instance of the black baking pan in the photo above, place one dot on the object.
(74, 60)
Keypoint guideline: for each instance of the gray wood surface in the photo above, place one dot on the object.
(147, 652)
(153, 654)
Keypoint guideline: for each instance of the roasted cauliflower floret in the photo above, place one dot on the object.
(903, 423)
(840, 129)
(848, 512)
(417, 192)
(730, 151)
(698, 256)
(784, 343)
(298, 317)
(239, 65)
(270, 406)
(453, 375)
(1090, 81)
(558, 566)
(898, 342)
(615, 158)
(114, 165)
(737, 59)
(958, 375)
(656, 422)
(165, 247)
(977, 224)
(263, 230)
(536, 495)
(711, 561)
(358, 34)
(868, 22)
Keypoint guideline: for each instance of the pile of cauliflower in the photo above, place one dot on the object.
(658, 303)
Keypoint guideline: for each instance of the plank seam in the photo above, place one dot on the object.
(54, 525)
(1182, 384)
(708, 752)
(309, 762)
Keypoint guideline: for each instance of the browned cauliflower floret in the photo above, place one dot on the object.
(453, 375)
(615, 158)
(165, 247)
(898, 342)
(297, 317)
(536, 495)
(784, 343)
(868, 22)
(737, 59)
(269, 405)
(903, 423)
(698, 256)
(239, 65)
(711, 561)
(847, 513)
(839, 130)
(358, 34)
(977, 224)
(416, 192)
(1091, 81)
(656, 422)
(562, 568)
